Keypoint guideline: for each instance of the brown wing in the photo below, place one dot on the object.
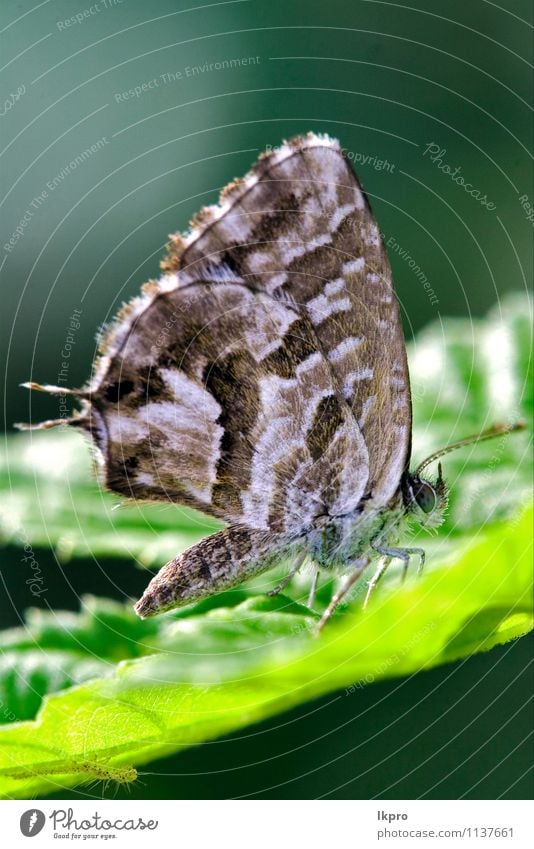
(263, 380)
(300, 228)
(213, 395)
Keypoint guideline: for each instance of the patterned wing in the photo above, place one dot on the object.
(263, 379)
(214, 395)
(300, 229)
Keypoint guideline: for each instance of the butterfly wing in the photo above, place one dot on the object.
(300, 228)
(263, 380)
(213, 395)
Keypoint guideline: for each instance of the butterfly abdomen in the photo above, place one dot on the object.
(217, 563)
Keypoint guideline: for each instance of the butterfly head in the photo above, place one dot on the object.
(425, 500)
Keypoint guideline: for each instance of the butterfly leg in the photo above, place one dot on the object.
(383, 565)
(313, 588)
(358, 566)
(403, 554)
(285, 581)
(422, 556)
(421, 553)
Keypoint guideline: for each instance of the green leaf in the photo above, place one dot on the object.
(25, 677)
(466, 377)
(210, 673)
(115, 692)
(103, 629)
(52, 499)
(58, 649)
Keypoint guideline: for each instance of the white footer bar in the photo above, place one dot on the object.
(269, 824)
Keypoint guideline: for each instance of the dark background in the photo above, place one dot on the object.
(387, 80)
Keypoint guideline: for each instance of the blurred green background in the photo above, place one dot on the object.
(118, 121)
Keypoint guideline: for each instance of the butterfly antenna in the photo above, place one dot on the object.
(50, 389)
(491, 433)
(53, 390)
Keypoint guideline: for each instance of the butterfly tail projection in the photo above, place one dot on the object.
(217, 563)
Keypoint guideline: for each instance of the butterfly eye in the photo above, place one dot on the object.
(425, 496)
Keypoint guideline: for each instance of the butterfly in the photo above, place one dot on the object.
(263, 380)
